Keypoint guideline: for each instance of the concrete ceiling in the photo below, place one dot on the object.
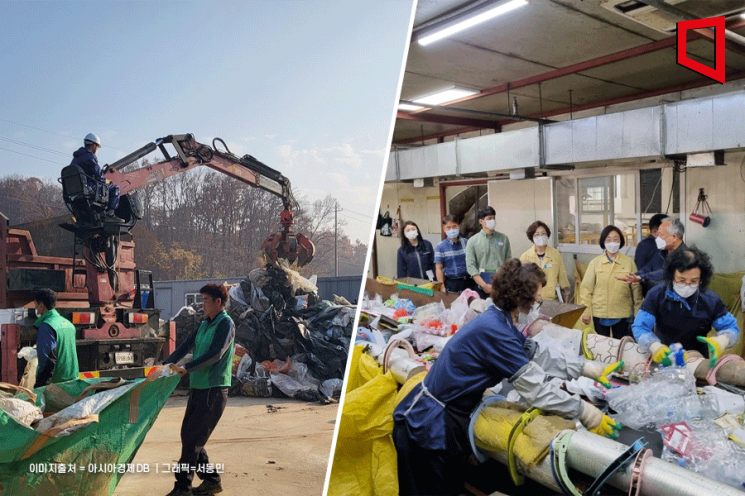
(533, 42)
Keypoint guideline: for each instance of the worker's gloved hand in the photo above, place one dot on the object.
(600, 372)
(614, 367)
(607, 428)
(594, 420)
(717, 345)
(659, 351)
(677, 356)
(179, 370)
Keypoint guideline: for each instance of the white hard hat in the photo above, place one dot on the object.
(92, 138)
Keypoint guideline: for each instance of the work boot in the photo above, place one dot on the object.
(207, 487)
(180, 492)
(111, 217)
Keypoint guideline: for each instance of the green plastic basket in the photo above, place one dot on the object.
(416, 289)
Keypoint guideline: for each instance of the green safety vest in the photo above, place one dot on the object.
(219, 373)
(66, 368)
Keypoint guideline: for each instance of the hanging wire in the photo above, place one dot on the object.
(679, 167)
(653, 192)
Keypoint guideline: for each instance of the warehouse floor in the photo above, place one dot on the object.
(282, 451)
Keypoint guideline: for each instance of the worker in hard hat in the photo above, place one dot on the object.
(55, 341)
(683, 310)
(85, 158)
(431, 423)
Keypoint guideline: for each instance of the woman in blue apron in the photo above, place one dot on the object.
(431, 423)
(683, 310)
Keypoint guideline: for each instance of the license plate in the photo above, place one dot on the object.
(124, 357)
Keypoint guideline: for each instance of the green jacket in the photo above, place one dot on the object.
(66, 368)
(218, 373)
(486, 252)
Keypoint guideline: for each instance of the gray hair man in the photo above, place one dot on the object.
(671, 231)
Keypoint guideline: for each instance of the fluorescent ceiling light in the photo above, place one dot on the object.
(460, 25)
(444, 96)
(742, 15)
(408, 107)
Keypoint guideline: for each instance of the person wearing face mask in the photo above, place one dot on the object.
(683, 310)
(610, 302)
(547, 258)
(669, 238)
(416, 258)
(648, 248)
(450, 258)
(431, 423)
(486, 251)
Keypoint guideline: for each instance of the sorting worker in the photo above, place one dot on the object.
(486, 251)
(549, 259)
(416, 257)
(55, 341)
(610, 302)
(450, 258)
(85, 158)
(431, 423)
(683, 310)
(209, 380)
(670, 233)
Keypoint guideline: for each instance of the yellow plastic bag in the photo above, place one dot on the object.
(365, 457)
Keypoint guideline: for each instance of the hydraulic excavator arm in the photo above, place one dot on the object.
(187, 154)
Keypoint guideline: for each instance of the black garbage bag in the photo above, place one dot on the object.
(325, 360)
(187, 320)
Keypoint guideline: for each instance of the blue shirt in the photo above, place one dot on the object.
(645, 251)
(674, 319)
(46, 343)
(485, 351)
(654, 272)
(416, 261)
(452, 256)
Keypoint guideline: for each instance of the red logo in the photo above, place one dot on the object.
(717, 72)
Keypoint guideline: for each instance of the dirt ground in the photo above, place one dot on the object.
(284, 451)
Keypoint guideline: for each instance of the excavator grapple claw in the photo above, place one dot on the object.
(293, 247)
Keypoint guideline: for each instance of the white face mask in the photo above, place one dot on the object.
(452, 233)
(612, 247)
(490, 224)
(411, 234)
(661, 244)
(540, 240)
(684, 290)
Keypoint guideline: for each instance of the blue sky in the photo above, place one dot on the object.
(307, 87)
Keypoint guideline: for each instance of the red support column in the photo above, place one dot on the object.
(171, 343)
(9, 338)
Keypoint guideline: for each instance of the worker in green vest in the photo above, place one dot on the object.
(55, 341)
(209, 380)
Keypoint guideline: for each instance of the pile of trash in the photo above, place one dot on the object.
(701, 428)
(287, 338)
(429, 326)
